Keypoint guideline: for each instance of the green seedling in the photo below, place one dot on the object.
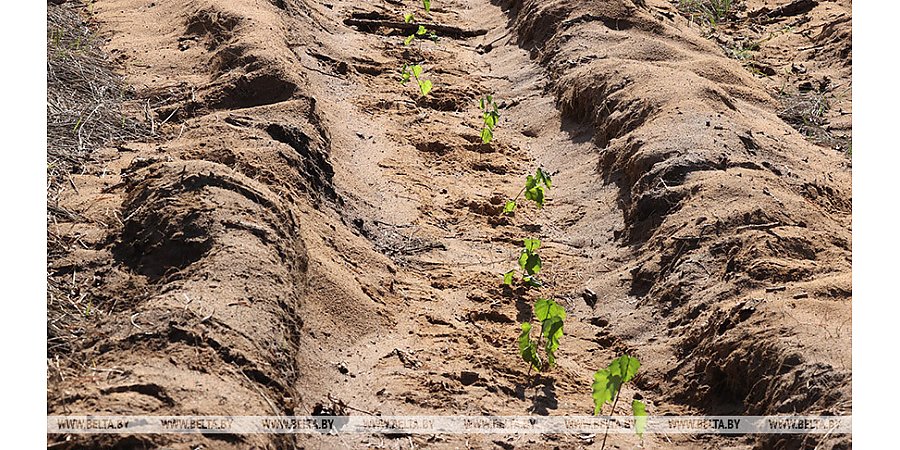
(529, 262)
(535, 186)
(427, 5)
(607, 386)
(551, 315)
(415, 72)
(419, 32)
(490, 115)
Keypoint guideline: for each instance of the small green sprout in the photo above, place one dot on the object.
(529, 262)
(490, 114)
(415, 71)
(419, 32)
(427, 5)
(551, 315)
(535, 187)
(608, 384)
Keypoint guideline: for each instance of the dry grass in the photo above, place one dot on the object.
(84, 112)
(805, 111)
(706, 12)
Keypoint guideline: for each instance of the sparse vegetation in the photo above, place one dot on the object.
(708, 12)
(742, 47)
(415, 72)
(535, 187)
(490, 114)
(419, 32)
(741, 50)
(87, 109)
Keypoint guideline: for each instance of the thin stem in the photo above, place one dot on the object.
(611, 412)
(519, 194)
(419, 83)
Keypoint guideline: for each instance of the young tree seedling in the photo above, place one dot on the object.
(529, 262)
(415, 71)
(535, 186)
(551, 315)
(608, 384)
(490, 114)
(419, 32)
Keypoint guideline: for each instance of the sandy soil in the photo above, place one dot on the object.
(307, 235)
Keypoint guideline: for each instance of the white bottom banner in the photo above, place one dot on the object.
(448, 424)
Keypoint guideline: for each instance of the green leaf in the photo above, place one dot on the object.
(421, 30)
(624, 367)
(542, 177)
(408, 18)
(523, 259)
(533, 264)
(527, 347)
(427, 5)
(552, 329)
(425, 87)
(508, 277)
(607, 382)
(489, 120)
(639, 410)
(551, 315)
(531, 244)
(603, 389)
(535, 194)
(548, 309)
(530, 263)
(409, 39)
(486, 135)
(509, 207)
(404, 74)
(417, 70)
